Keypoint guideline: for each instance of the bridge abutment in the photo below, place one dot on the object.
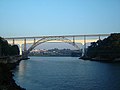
(24, 55)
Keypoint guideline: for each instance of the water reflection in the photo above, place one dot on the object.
(65, 73)
(20, 73)
(21, 68)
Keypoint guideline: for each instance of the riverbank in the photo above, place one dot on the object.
(6, 77)
(101, 59)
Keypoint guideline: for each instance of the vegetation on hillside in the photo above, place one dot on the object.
(108, 48)
(7, 49)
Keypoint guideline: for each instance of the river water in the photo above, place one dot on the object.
(67, 73)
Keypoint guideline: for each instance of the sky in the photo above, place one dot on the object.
(58, 17)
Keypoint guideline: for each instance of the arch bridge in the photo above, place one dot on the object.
(42, 39)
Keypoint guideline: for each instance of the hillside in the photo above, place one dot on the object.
(6, 49)
(106, 49)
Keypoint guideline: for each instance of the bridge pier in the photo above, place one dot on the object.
(20, 46)
(24, 55)
(73, 40)
(99, 37)
(13, 41)
(34, 40)
(84, 46)
(25, 45)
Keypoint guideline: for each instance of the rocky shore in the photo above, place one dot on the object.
(6, 77)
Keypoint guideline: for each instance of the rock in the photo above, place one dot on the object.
(6, 77)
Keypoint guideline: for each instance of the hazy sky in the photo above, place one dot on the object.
(58, 17)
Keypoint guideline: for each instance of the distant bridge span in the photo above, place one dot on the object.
(42, 39)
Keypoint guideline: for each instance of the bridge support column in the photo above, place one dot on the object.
(34, 40)
(84, 45)
(24, 53)
(73, 40)
(20, 49)
(13, 41)
(25, 44)
(99, 37)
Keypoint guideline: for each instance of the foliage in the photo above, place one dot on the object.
(7, 49)
(107, 48)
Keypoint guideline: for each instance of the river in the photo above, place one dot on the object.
(67, 73)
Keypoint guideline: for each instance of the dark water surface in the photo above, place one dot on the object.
(67, 73)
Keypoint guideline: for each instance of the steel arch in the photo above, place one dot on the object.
(44, 39)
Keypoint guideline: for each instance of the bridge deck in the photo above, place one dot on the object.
(88, 35)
